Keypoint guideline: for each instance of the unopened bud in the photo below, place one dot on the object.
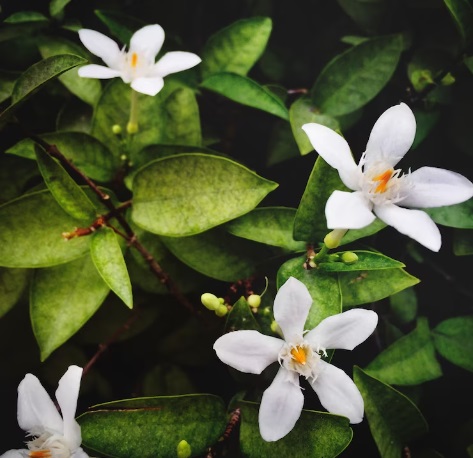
(349, 257)
(132, 128)
(221, 310)
(447, 80)
(184, 449)
(333, 239)
(254, 300)
(275, 328)
(210, 301)
(117, 129)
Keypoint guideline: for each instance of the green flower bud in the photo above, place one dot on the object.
(275, 328)
(254, 300)
(222, 300)
(420, 79)
(333, 257)
(333, 239)
(447, 80)
(210, 301)
(117, 129)
(349, 257)
(184, 449)
(221, 310)
(132, 128)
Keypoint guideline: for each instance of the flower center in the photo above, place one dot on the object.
(383, 179)
(301, 358)
(298, 354)
(134, 60)
(40, 454)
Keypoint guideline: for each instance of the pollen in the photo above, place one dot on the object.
(383, 179)
(40, 454)
(134, 59)
(298, 354)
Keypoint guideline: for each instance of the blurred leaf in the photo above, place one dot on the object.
(7, 81)
(426, 121)
(282, 145)
(410, 360)
(121, 25)
(246, 91)
(302, 111)
(108, 259)
(25, 16)
(31, 230)
(87, 89)
(369, 66)
(39, 74)
(316, 434)
(201, 178)
(87, 153)
(62, 299)
(462, 14)
(322, 286)
(364, 287)
(372, 16)
(68, 194)
(12, 284)
(241, 317)
(74, 116)
(463, 242)
(151, 427)
(237, 47)
(269, 225)
(393, 419)
(167, 380)
(367, 260)
(56, 7)
(404, 305)
(458, 215)
(453, 339)
(15, 175)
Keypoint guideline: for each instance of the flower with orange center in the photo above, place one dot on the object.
(382, 191)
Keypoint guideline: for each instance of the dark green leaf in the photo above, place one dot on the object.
(355, 234)
(404, 305)
(463, 242)
(462, 13)
(7, 81)
(121, 25)
(56, 7)
(152, 427)
(12, 284)
(25, 16)
(241, 317)
(367, 260)
(459, 215)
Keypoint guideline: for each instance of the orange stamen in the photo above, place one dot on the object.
(134, 59)
(383, 180)
(41, 454)
(298, 353)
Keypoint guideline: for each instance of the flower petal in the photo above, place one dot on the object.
(248, 351)
(15, 453)
(343, 331)
(97, 71)
(100, 45)
(435, 187)
(66, 395)
(176, 61)
(36, 410)
(348, 210)
(291, 307)
(416, 224)
(148, 86)
(338, 393)
(147, 41)
(79, 453)
(281, 406)
(391, 136)
(335, 151)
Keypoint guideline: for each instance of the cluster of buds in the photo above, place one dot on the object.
(214, 303)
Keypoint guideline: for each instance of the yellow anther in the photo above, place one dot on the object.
(134, 59)
(299, 354)
(383, 180)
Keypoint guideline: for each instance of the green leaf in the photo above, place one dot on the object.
(87, 153)
(152, 427)
(367, 260)
(301, 112)
(39, 74)
(363, 287)
(31, 230)
(323, 288)
(62, 299)
(87, 89)
(241, 317)
(404, 305)
(355, 234)
(269, 225)
(370, 16)
(201, 179)
(236, 48)
(463, 242)
(108, 259)
(7, 81)
(68, 194)
(217, 254)
(25, 16)
(246, 91)
(121, 25)
(353, 78)
(12, 284)
(56, 7)
(316, 434)
(410, 360)
(458, 215)
(393, 419)
(453, 339)
(462, 13)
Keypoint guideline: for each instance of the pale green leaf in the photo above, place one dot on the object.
(458, 215)
(367, 260)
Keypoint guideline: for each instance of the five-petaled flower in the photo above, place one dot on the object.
(379, 187)
(137, 66)
(298, 354)
(54, 436)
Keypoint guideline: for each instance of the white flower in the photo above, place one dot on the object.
(379, 187)
(54, 436)
(137, 66)
(299, 354)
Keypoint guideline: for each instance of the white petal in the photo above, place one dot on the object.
(281, 406)
(66, 395)
(348, 210)
(148, 86)
(15, 453)
(338, 393)
(173, 62)
(97, 71)
(343, 331)
(391, 136)
(416, 224)
(435, 187)
(335, 151)
(291, 307)
(147, 41)
(248, 351)
(79, 453)
(100, 45)
(36, 410)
